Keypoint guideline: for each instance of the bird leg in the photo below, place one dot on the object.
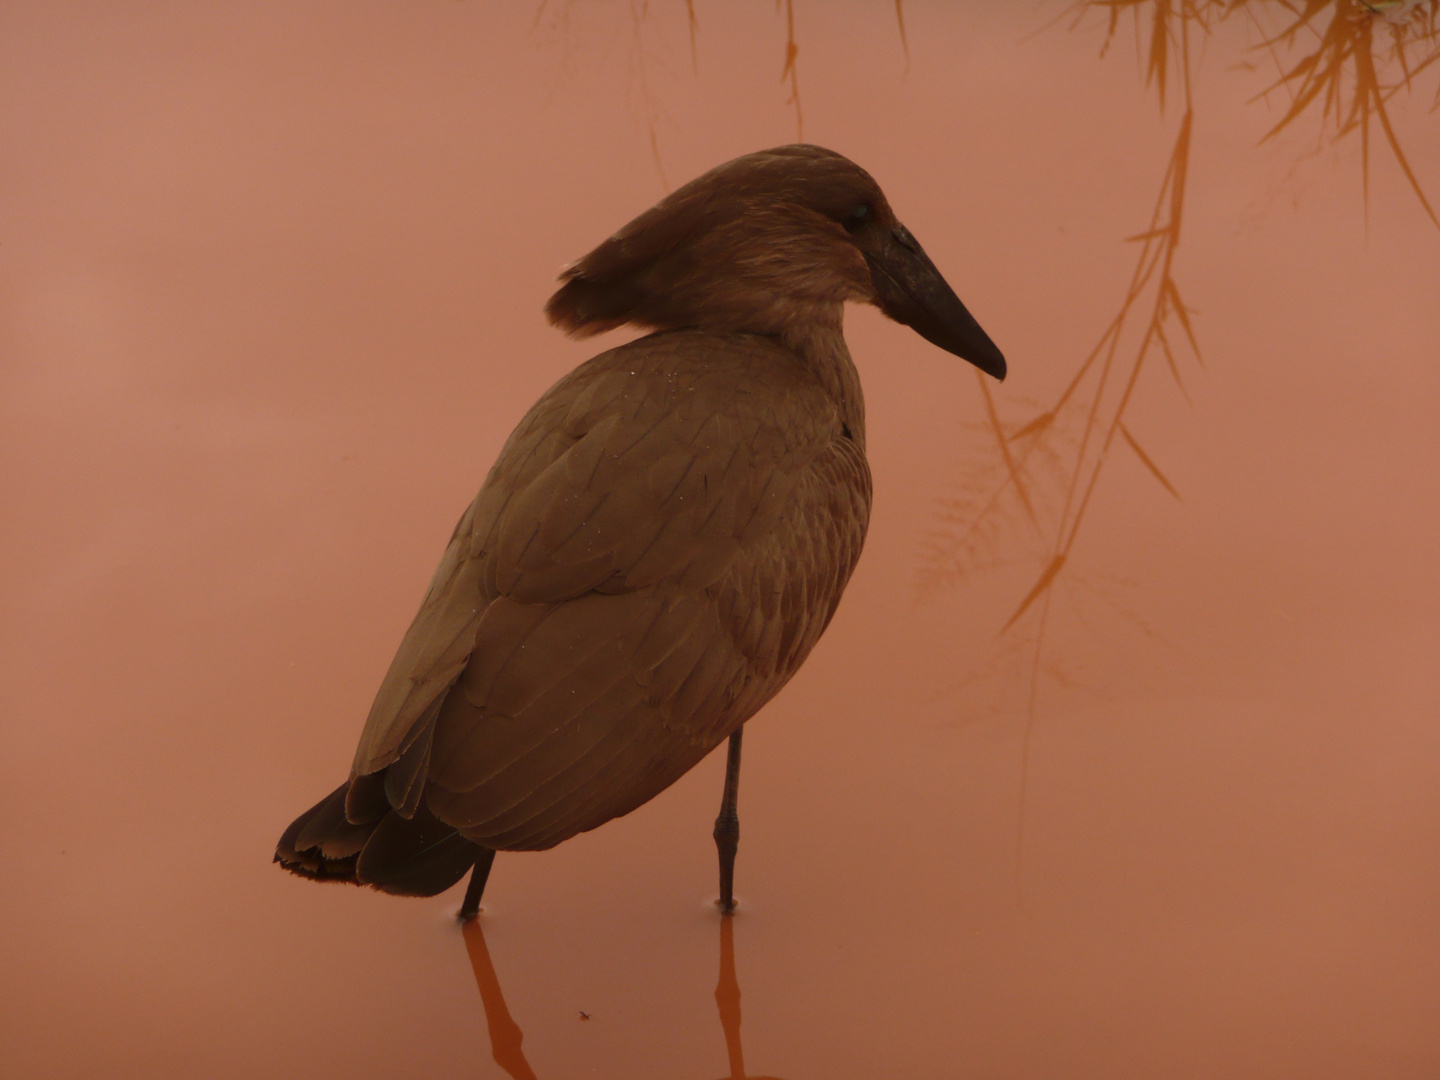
(476, 889)
(727, 825)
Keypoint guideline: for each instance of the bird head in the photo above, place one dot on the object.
(765, 243)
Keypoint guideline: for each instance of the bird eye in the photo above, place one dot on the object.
(856, 218)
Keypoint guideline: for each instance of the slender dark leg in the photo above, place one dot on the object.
(476, 889)
(727, 825)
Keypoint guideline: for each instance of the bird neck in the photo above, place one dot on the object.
(820, 344)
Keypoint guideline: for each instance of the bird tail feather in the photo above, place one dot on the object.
(415, 856)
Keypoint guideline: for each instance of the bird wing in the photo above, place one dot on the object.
(656, 549)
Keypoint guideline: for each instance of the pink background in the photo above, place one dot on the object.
(271, 278)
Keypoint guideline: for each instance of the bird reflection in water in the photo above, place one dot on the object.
(506, 1036)
(727, 1001)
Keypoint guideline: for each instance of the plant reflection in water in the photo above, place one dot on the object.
(506, 1037)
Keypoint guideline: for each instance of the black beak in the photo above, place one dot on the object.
(911, 291)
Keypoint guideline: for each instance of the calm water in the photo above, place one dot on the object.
(270, 290)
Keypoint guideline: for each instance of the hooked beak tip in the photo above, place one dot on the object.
(991, 363)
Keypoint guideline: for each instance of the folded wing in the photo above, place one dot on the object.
(658, 547)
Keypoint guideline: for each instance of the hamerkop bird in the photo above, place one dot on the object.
(661, 543)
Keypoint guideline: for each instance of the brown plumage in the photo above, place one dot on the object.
(662, 540)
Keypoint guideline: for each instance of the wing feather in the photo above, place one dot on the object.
(655, 551)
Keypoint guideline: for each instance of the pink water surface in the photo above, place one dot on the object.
(271, 279)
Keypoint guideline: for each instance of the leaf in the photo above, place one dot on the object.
(1159, 334)
(1145, 459)
(694, 26)
(904, 41)
(1366, 66)
(1149, 234)
(1040, 423)
(1178, 306)
(1040, 586)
